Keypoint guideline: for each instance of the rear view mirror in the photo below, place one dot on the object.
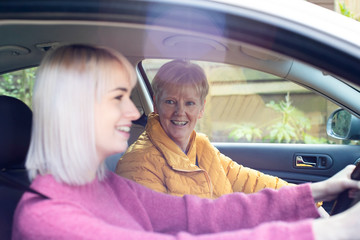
(343, 125)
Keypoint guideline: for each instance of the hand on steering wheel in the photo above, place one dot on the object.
(349, 197)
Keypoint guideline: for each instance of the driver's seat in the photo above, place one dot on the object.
(15, 132)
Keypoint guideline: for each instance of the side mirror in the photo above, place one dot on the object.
(343, 125)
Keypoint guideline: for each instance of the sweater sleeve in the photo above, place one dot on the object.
(57, 221)
(301, 230)
(247, 180)
(268, 214)
(52, 219)
(173, 217)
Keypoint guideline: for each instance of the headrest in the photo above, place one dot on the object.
(15, 131)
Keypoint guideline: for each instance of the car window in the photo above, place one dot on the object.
(250, 106)
(18, 84)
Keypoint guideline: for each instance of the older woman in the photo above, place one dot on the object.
(82, 114)
(170, 157)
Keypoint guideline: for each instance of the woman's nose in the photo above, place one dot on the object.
(179, 109)
(132, 113)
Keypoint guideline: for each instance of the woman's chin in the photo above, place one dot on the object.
(120, 149)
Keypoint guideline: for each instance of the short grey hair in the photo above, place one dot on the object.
(69, 81)
(180, 73)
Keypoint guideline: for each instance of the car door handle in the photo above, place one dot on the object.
(318, 161)
(300, 162)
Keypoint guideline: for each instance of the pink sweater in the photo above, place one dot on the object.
(117, 208)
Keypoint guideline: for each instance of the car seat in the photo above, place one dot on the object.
(15, 132)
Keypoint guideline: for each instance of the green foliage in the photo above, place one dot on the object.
(291, 128)
(293, 124)
(308, 139)
(346, 12)
(282, 132)
(18, 84)
(248, 131)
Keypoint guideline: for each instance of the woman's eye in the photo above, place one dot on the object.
(119, 97)
(190, 103)
(169, 101)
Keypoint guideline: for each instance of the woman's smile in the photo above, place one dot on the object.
(179, 123)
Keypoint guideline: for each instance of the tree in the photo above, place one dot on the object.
(18, 84)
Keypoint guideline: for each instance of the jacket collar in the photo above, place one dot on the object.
(172, 153)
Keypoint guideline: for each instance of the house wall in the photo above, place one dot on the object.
(352, 5)
(329, 4)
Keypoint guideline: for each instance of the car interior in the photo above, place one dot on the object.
(153, 36)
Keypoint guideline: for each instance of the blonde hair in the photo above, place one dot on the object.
(179, 73)
(69, 81)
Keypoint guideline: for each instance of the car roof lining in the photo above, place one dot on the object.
(157, 42)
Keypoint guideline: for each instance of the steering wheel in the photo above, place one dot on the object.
(343, 201)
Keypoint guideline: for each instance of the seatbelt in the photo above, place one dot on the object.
(12, 183)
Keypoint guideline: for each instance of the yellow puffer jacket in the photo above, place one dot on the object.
(155, 161)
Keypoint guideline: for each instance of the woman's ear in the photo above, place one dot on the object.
(201, 114)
